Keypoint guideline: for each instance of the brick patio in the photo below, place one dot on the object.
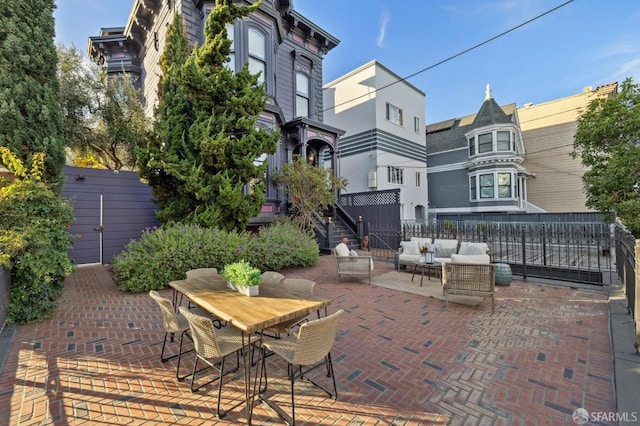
(399, 359)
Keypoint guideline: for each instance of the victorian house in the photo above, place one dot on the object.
(287, 48)
(475, 163)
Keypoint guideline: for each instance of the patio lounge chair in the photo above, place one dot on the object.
(469, 279)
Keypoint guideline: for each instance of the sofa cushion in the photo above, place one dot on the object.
(473, 248)
(342, 250)
(471, 258)
(444, 252)
(410, 247)
(446, 244)
(421, 241)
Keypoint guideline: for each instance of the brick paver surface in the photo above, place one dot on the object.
(399, 359)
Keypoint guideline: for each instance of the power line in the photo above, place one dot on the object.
(450, 58)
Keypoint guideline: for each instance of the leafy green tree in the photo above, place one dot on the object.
(608, 142)
(103, 117)
(204, 156)
(35, 220)
(30, 119)
(309, 188)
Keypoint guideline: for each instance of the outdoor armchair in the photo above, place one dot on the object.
(469, 279)
(360, 264)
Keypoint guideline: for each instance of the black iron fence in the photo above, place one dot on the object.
(626, 264)
(577, 252)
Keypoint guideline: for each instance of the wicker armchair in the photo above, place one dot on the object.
(310, 348)
(361, 265)
(469, 279)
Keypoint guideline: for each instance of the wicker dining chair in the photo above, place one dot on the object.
(201, 272)
(309, 348)
(176, 327)
(205, 272)
(271, 278)
(213, 346)
(302, 286)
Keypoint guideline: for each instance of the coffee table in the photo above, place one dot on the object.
(435, 266)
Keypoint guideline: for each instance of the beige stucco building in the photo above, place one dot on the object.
(548, 131)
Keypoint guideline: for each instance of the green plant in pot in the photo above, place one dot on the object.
(243, 277)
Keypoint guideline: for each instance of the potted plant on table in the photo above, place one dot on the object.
(243, 277)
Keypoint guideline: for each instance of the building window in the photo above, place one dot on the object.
(485, 143)
(486, 186)
(258, 54)
(394, 114)
(232, 56)
(504, 185)
(416, 124)
(473, 187)
(395, 175)
(472, 146)
(504, 141)
(418, 180)
(302, 95)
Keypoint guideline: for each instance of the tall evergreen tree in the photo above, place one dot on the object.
(208, 142)
(30, 118)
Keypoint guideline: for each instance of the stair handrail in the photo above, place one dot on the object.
(346, 219)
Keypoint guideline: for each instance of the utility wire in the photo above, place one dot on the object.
(450, 58)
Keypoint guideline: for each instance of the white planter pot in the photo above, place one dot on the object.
(252, 290)
(232, 286)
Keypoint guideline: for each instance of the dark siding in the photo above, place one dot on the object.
(127, 210)
(448, 189)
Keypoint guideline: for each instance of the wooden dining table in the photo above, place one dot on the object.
(249, 314)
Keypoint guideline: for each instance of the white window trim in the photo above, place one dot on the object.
(388, 109)
(398, 172)
(473, 136)
(496, 186)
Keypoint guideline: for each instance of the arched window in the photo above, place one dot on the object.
(302, 95)
(258, 54)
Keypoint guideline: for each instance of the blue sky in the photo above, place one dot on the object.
(583, 43)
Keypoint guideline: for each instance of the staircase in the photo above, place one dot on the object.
(341, 230)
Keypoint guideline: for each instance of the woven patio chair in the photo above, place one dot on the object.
(301, 286)
(469, 279)
(271, 278)
(201, 272)
(175, 326)
(204, 272)
(309, 348)
(213, 346)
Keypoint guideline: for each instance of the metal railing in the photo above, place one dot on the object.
(576, 252)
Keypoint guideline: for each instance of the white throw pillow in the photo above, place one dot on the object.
(473, 248)
(353, 253)
(342, 250)
(475, 258)
(421, 241)
(444, 252)
(410, 247)
(447, 244)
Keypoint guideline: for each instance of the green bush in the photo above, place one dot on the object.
(35, 221)
(283, 245)
(165, 254)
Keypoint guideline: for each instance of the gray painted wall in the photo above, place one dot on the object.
(120, 203)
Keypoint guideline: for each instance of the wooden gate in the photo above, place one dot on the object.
(110, 209)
